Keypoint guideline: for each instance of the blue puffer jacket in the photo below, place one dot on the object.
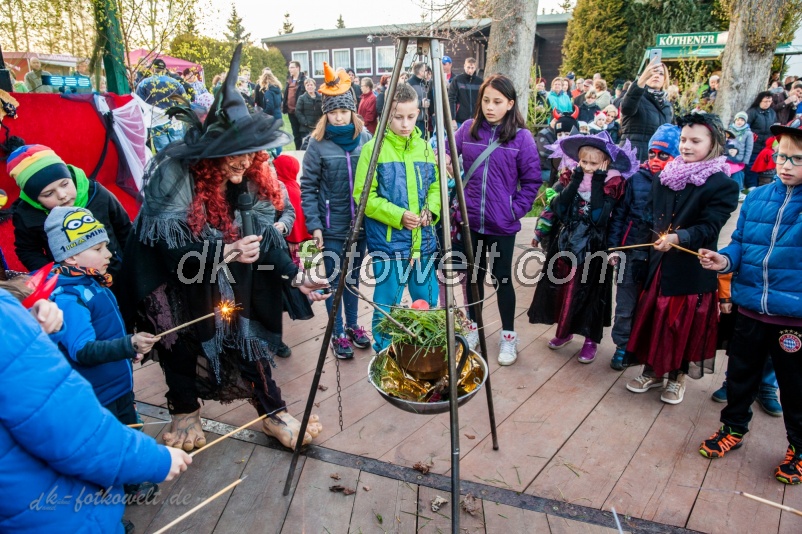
(406, 180)
(765, 249)
(56, 443)
(92, 320)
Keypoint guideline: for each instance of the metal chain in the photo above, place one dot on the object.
(339, 392)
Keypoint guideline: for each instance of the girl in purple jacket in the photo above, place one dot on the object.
(501, 190)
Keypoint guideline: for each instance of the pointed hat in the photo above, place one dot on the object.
(334, 83)
(231, 128)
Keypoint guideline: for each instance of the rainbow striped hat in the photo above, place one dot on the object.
(34, 167)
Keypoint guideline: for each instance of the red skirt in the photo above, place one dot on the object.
(675, 333)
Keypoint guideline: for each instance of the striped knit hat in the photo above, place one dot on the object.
(34, 167)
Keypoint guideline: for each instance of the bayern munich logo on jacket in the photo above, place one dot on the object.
(789, 341)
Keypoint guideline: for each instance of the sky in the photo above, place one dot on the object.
(264, 18)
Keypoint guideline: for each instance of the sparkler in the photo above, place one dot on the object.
(201, 505)
(225, 310)
(140, 425)
(630, 246)
(683, 249)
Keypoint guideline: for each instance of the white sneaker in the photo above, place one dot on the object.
(507, 348)
(741, 197)
(472, 336)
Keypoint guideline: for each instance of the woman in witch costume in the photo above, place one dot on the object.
(576, 291)
(190, 253)
(677, 320)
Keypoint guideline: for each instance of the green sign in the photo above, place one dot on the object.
(691, 39)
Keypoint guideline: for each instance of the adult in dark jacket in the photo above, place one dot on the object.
(424, 91)
(39, 394)
(785, 104)
(292, 92)
(760, 119)
(645, 107)
(463, 93)
(267, 94)
(309, 108)
(31, 210)
(588, 108)
(383, 82)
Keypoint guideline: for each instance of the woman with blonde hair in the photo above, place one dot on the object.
(268, 93)
(603, 96)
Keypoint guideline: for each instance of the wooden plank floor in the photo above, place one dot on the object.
(567, 432)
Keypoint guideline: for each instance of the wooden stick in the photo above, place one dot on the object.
(140, 425)
(221, 438)
(770, 503)
(201, 505)
(390, 317)
(683, 249)
(179, 327)
(630, 246)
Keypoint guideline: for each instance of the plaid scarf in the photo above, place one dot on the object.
(71, 270)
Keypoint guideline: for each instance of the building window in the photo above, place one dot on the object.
(385, 59)
(303, 59)
(318, 57)
(363, 62)
(341, 58)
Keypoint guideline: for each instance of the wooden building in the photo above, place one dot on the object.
(370, 50)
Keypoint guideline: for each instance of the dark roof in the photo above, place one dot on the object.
(422, 27)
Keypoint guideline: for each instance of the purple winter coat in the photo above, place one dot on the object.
(503, 188)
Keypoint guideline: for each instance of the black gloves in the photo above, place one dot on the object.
(599, 175)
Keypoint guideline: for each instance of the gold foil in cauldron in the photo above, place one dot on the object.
(394, 381)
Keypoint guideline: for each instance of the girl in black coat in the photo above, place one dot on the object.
(677, 319)
(645, 107)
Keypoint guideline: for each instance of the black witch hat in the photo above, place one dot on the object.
(230, 127)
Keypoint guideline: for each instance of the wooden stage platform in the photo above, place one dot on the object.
(574, 443)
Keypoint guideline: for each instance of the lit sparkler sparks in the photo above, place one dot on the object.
(683, 249)
(226, 309)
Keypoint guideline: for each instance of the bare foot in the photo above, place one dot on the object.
(185, 432)
(285, 428)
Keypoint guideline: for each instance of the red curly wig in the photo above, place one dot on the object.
(210, 205)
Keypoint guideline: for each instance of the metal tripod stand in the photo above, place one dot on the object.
(431, 48)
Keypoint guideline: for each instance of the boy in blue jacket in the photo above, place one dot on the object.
(764, 257)
(39, 396)
(94, 341)
(631, 225)
(403, 204)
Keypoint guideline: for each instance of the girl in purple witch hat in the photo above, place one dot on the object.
(575, 291)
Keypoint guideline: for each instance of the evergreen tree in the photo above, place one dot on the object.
(340, 22)
(236, 31)
(646, 20)
(596, 39)
(566, 5)
(190, 24)
(287, 27)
